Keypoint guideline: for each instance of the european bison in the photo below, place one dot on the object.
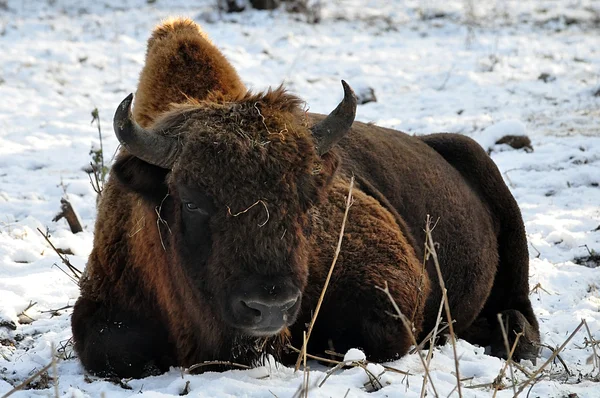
(221, 215)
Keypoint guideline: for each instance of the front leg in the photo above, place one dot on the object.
(114, 342)
(374, 252)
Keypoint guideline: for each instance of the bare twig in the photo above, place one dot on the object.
(95, 182)
(536, 249)
(160, 220)
(335, 362)
(76, 272)
(30, 379)
(521, 369)
(373, 379)
(509, 362)
(318, 358)
(430, 248)
(248, 208)
(420, 289)
(54, 370)
(431, 344)
(68, 213)
(552, 357)
(407, 325)
(335, 257)
(593, 343)
(261, 117)
(54, 312)
(224, 363)
(306, 370)
(428, 338)
(563, 363)
(538, 286)
(331, 371)
(98, 158)
(23, 313)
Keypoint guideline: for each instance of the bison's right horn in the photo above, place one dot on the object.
(331, 129)
(147, 145)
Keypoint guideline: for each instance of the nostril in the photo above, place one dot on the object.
(251, 308)
(289, 304)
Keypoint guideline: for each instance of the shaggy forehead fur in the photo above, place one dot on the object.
(256, 148)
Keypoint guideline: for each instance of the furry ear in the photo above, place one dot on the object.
(140, 177)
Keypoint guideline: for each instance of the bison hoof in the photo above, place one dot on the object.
(528, 344)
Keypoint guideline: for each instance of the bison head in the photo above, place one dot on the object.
(233, 184)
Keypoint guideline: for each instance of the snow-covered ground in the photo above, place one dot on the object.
(482, 68)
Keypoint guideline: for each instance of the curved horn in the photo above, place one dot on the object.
(147, 145)
(331, 129)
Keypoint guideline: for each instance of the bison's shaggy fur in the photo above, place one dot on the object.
(160, 280)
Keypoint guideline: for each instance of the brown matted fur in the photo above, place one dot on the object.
(159, 282)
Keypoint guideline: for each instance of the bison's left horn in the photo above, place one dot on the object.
(331, 129)
(147, 145)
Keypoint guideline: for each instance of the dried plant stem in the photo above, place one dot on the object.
(335, 257)
(306, 370)
(373, 379)
(331, 371)
(428, 338)
(262, 224)
(509, 351)
(24, 312)
(521, 369)
(420, 289)
(408, 327)
(430, 249)
(552, 357)
(96, 117)
(431, 345)
(508, 362)
(30, 379)
(54, 371)
(562, 362)
(596, 359)
(76, 272)
(318, 358)
(225, 363)
(334, 362)
(68, 213)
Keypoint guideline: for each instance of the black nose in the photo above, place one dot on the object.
(263, 315)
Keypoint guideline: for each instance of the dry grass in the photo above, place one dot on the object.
(260, 201)
(41, 377)
(217, 363)
(98, 169)
(431, 252)
(532, 378)
(497, 383)
(75, 273)
(337, 253)
(593, 343)
(433, 335)
(409, 330)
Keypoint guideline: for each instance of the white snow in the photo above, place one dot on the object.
(453, 65)
(491, 134)
(354, 354)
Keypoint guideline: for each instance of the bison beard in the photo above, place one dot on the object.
(219, 221)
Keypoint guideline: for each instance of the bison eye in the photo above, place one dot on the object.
(192, 207)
